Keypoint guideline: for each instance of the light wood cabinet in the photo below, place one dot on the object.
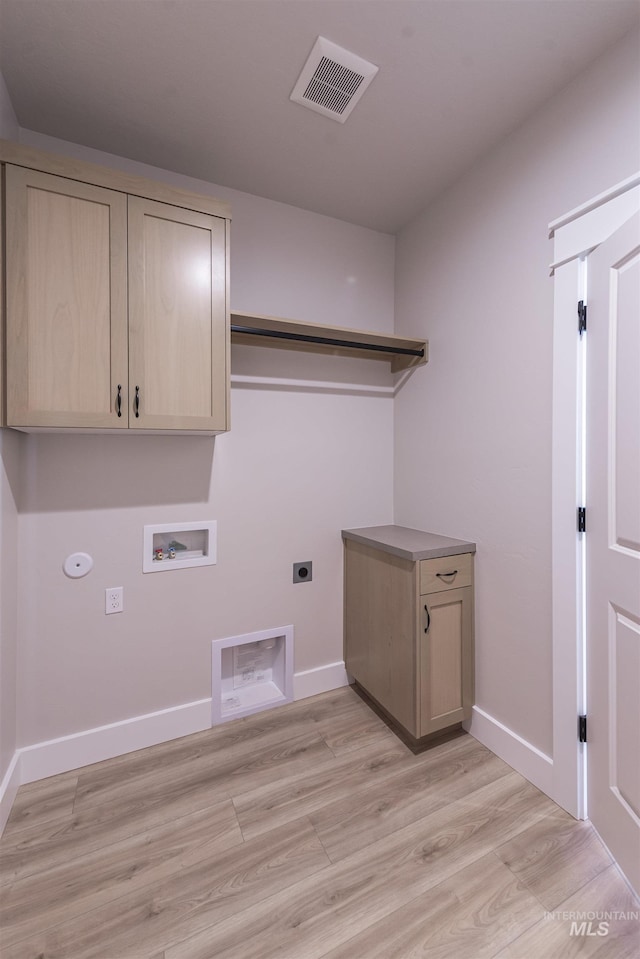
(445, 658)
(116, 302)
(409, 629)
(66, 275)
(177, 330)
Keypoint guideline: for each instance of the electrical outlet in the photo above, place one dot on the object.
(302, 572)
(113, 599)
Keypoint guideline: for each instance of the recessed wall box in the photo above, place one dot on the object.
(302, 572)
(250, 673)
(178, 545)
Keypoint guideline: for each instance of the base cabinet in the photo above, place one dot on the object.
(409, 635)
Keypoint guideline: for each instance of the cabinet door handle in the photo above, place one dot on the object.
(448, 575)
(119, 400)
(426, 609)
(136, 402)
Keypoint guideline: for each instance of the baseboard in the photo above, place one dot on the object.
(526, 759)
(104, 742)
(322, 679)
(8, 789)
(632, 889)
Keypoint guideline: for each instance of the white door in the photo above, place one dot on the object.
(613, 545)
(575, 235)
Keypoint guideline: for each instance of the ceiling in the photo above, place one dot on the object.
(202, 87)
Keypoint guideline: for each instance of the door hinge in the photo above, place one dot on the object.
(582, 317)
(582, 519)
(582, 729)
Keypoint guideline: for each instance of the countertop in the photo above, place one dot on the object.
(411, 544)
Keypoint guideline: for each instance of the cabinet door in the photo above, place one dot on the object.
(446, 659)
(66, 316)
(178, 330)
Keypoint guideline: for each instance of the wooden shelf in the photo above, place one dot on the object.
(402, 353)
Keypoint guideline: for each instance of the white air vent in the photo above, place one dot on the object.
(332, 80)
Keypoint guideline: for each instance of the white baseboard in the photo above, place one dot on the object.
(322, 679)
(632, 889)
(526, 759)
(9, 788)
(104, 742)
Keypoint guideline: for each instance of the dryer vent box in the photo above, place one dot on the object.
(250, 673)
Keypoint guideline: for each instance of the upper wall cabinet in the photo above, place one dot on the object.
(177, 331)
(66, 302)
(116, 301)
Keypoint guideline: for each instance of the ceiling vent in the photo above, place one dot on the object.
(332, 80)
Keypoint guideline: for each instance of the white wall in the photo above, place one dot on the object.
(473, 437)
(10, 465)
(297, 467)
(10, 482)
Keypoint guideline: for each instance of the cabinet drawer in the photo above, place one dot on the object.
(447, 572)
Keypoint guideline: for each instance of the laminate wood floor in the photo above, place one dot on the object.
(306, 832)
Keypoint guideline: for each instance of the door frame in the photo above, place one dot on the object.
(575, 235)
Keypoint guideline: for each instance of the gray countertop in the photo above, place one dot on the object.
(411, 544)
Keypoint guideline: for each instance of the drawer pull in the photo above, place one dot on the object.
(447, 575)
(426, 609)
